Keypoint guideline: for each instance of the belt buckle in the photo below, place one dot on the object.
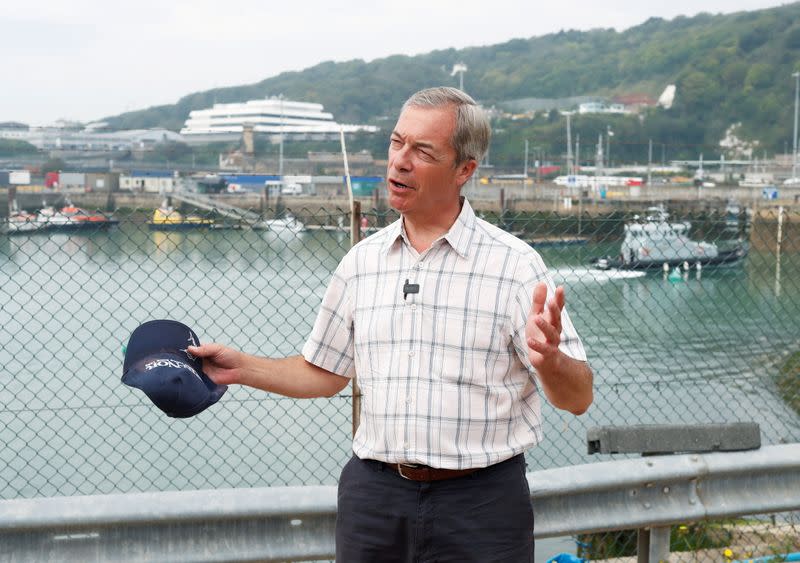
(400, 470)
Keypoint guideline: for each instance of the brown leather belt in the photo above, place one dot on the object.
(425, 473)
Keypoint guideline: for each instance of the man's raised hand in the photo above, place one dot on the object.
(543, 329)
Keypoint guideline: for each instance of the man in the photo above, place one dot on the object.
(445, 320)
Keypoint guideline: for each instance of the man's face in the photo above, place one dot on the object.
(422, 177)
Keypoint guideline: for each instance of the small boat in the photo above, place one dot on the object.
(166, 218)
(20, 221)
(72, 218)
(288, 224)
(655, 242)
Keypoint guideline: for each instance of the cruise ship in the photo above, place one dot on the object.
(271, 117)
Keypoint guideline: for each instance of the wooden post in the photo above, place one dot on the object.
(355, 236)
(12, 196)
(355, 223)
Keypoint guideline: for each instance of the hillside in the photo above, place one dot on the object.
(727, 68)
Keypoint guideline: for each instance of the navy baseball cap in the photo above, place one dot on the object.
(158, 363)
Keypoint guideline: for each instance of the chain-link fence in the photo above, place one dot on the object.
(714, 337)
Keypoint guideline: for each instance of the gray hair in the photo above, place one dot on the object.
(472, 131)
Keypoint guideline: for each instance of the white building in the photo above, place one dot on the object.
(270, 117)
(149, 181)
(585, 181)
(600, 107)
(88, 139)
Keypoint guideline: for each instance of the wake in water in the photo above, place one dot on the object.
(593, 275)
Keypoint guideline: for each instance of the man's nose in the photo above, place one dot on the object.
(401, 160)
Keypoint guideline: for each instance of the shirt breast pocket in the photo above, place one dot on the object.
(470, 344)
(377, 335)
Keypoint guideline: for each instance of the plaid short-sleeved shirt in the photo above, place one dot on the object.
(444, 373)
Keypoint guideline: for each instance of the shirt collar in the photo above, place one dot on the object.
(394, 232)
(462, 232)
(459, 237)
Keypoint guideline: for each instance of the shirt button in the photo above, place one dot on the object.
(419, 266)
(406, 445)
(408, 400)
(414, 307)
(411, 353)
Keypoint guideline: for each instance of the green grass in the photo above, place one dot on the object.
(788, 380)
(684, 537)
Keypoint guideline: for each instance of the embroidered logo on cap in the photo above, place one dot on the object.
(168, 363)
(191, 343)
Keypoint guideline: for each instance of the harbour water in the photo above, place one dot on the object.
(701, 349)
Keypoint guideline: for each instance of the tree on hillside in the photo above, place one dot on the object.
(53, 165)
(719, 63)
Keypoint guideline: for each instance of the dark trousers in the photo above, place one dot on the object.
(483, 517)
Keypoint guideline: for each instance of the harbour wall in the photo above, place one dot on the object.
(768, 225)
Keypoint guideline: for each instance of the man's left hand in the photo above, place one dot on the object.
(543, 329)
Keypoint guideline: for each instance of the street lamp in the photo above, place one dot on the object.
(609, 134)
(794, 137)
(460, 69)
(525, 168)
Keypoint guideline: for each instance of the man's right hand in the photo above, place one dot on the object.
(222, 364)
(292, 376)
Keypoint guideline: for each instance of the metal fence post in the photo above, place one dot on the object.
(355, 236)
(653, 545)
(642, 545)
(659, 544)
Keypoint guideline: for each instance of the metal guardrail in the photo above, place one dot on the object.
(297, 523)
(264, 524)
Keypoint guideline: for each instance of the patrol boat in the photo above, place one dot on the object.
(656, 241)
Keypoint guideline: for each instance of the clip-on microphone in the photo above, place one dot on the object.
(409, 288)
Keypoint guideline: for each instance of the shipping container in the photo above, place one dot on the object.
(72, 180)
(19, 177)
(51, 180)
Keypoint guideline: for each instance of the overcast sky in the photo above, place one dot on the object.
(86, 59)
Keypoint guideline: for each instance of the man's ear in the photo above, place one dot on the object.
(465, 170)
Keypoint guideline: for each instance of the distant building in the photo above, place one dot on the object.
(584, 181)
(270, 117)
(634, 103)
(360, 157)
(600, 107)
(71, 137)
(149, 181)
(90, 181)
(360, 163)
(14, 178)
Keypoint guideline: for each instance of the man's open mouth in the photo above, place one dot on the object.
(401, 185)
